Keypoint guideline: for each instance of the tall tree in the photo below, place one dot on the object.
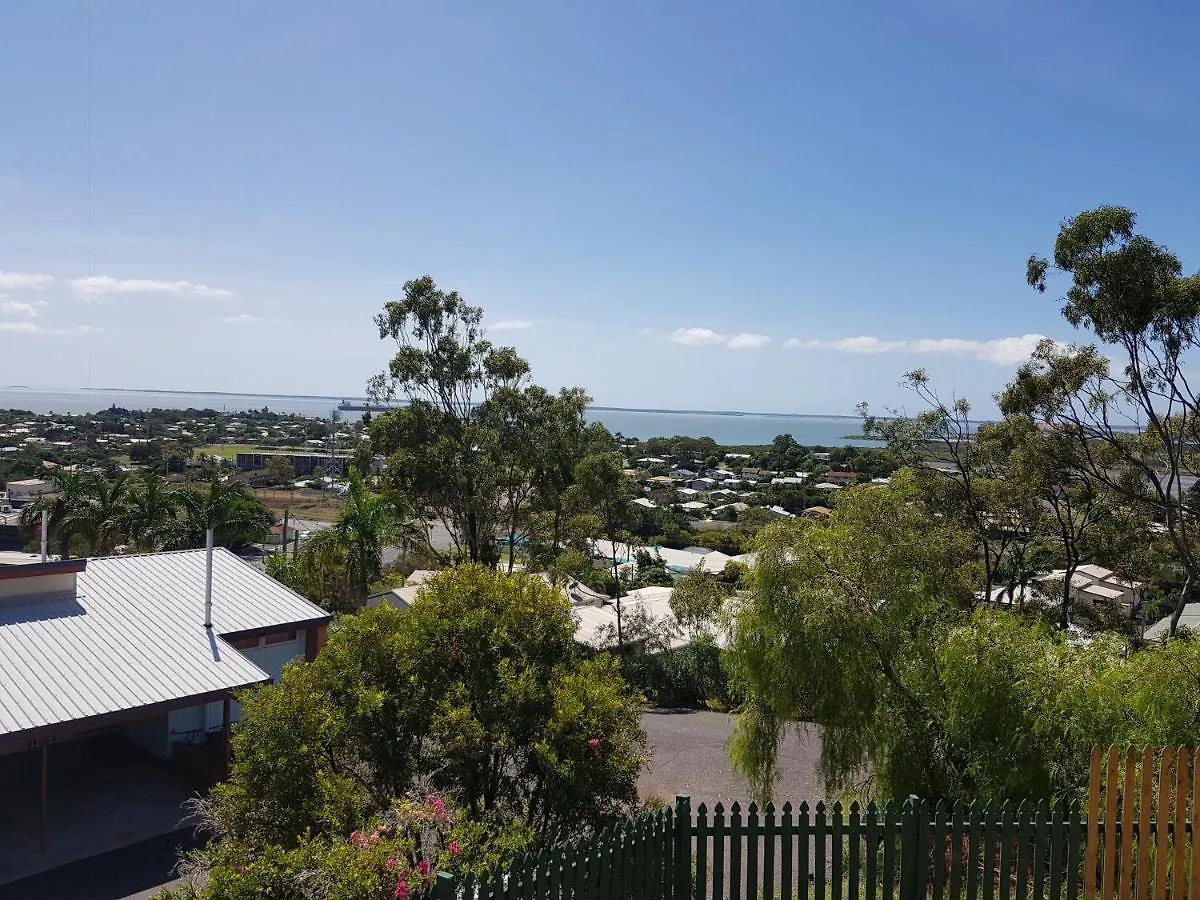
(441, 447)
(226, 508)
(368, 523)
(1071, 508)
(1135, 429)
(602, 485)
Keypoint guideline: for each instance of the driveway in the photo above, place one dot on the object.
(691, 756)
(137, 872)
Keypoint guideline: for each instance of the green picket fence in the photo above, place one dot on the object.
(905, 851)
(908, 851)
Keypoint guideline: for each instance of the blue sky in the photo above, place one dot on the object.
(770, 206)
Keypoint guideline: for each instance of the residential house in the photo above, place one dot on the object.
(817, 512)
(780, 513)
(143, 649)
(682, 474)
(826, 486)
(840, 478)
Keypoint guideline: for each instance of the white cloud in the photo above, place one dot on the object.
(747, 341)
(14, 281)
(242, 319)
(511, 325)
(104, 285)
(1006, 351)
(20, 308)
(706, 337)
(34, 328)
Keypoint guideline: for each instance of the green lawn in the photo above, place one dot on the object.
(226, 451)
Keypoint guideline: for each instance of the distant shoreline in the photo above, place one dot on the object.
(629, 409)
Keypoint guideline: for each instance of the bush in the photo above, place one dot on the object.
(691, 677)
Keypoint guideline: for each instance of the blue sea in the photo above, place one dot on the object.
(723, 427)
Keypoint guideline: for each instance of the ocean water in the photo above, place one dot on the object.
(722, 427)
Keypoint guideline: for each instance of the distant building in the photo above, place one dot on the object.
(28, 490)
(304, 462)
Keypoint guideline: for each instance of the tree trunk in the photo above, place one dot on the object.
(1064, 615)
(617, 579)
(1185, 594)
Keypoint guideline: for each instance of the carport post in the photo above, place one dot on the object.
(226, 718)
(45, 805)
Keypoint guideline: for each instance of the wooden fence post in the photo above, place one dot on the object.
(681, 887)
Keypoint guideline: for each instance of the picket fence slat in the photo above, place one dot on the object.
(735, 851)
(768, 878)
(802, 867)
(1179, 864)
(819, 849)
(1161, 817)
(855, 857)
(785, 853)
(701, 852)
(752, 828)
(836, 836)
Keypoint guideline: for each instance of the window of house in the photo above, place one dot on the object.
(247, 643)
(281, 637)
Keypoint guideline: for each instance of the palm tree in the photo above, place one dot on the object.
(102, 515)
(226, 509)
(149, 520)
(64, 508)
(368, 523)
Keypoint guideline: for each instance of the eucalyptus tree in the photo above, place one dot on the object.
(1133, 419)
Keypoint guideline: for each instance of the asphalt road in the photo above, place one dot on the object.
(691, 757)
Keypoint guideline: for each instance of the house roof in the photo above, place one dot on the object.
(132, 635)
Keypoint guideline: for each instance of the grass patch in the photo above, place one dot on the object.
(226, 451)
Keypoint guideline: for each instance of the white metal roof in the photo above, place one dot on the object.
(133, 636)
(244, 599)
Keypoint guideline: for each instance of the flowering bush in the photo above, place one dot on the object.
(395, 856)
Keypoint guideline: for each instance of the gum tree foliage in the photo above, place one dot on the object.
(476, 445)
(970, 484)
(1133, 419)
(862, 626)
(476, 691)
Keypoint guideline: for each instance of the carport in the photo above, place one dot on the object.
(76, 799)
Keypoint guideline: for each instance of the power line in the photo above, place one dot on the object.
(90, 240)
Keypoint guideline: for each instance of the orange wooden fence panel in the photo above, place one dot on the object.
(1148, 798)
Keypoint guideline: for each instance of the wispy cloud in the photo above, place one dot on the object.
(511, 325)
(706, 337)
(1006, 351)
(105, 285)
(27, 327)
(241, 319)
(15, 281)
(10, 307)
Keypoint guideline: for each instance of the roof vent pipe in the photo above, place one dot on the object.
(45, 534)
(208, 557)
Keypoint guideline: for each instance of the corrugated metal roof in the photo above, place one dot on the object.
(134, 636)
(244, 598)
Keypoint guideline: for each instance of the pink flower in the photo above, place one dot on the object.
(594, 743)
(401, 892)
(358, 839)
(423, 867)
(391, 865)
(454, 848)
(439, 809)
